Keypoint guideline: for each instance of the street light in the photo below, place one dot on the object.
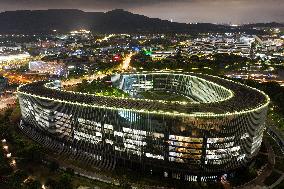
(5, 147)
(9, 155)
(13, 162)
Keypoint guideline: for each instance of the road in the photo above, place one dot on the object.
(123, 67)
(17, 78)
(5, 102)
(126, 62)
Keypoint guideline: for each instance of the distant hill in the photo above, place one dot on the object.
(116, 21)
(265, 25)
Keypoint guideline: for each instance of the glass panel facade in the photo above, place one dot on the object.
(218, 132)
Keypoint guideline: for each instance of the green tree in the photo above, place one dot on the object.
(53, 166)
(123, 182)
(15, 115)
(52, 184)
(32, 184)
(17, 178)
(65, 181)
(32, 152)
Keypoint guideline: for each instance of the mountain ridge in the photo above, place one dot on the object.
(115, 21)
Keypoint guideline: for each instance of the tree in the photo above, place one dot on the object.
(123, 182)
(15, 115)
(32, 152)
(5, 132)
(53, 166)
(65, 181)
(70, 172)
(194, 59)
(20, 174)
(5, 169)
(7, 114)
(32, 184)
(17, 179)
(52, 184)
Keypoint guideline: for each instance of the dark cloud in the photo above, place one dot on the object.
(83, 4)
(235, 11)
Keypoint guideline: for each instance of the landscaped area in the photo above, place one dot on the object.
(164, 95)
(100, 88)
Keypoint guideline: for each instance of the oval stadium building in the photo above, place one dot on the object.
(216, 131)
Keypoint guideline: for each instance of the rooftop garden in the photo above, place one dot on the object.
(164, 95)
(100, 88)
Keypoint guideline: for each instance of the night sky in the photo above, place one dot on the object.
(215, 11)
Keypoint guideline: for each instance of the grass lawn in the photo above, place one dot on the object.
(164, 95)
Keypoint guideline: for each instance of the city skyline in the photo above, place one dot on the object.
(217, 11)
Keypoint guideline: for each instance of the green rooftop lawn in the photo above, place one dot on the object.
(99, 88)
(164, 95)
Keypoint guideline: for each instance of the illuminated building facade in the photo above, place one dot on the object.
(218, 131)
(160, 55)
